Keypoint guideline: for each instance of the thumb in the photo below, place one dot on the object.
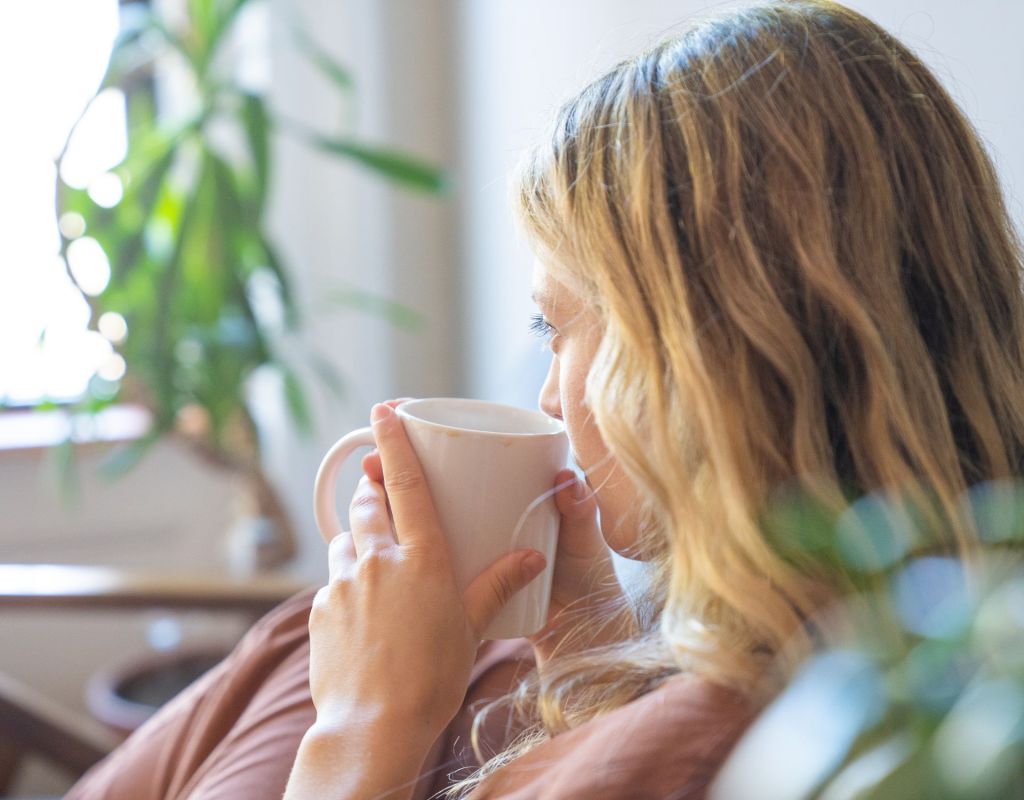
(491, 590)
(579, 535)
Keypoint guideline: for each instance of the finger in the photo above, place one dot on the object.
(375, 472)
(393, 404)
(411, 504)
(368, 517)
(371, 461)
(491, 590)
(372, 466)
(579, 533)
(341, 555)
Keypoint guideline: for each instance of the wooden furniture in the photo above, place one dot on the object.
(33, 724)
(74, 587)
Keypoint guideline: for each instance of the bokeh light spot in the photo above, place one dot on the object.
(931, 597)
(969, 745)
(72, 224)
(113, 326)
(106, 190)
(997, 508)
(89, 265)
(113, 368)
(874, 533)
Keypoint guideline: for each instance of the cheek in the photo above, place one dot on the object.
(588, 448)
(615, 497)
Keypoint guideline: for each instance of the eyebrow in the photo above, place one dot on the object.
(540, 298)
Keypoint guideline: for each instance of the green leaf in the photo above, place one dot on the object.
(913, 776)
(328, 375)
(128, 56)
(338, 74)
(203, 18)
(142, 198)
(64, 458)
(187, 51)
(94, 405)
(362, 300)
(257, 123)
(225, 16)
(799, 527)
(237, 231)
(123, 458)
(205, 255)
(868, 769)
(166, 321)
(407, 170)
(298, 405)
(277, 266)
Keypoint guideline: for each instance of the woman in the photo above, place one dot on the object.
(772, 256)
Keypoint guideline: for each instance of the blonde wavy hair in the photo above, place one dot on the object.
(807, 277)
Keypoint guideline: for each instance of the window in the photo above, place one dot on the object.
(52, 56)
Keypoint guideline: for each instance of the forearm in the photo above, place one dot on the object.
(358, 760)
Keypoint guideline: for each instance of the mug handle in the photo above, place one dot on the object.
(324, 505)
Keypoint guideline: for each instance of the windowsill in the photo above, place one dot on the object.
(36, 430)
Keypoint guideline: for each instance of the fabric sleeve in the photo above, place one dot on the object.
(235, 731)
(666, 745)
(241, 721)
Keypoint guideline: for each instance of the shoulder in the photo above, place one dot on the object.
(667, 743)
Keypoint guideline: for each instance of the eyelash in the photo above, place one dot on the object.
(541, 327)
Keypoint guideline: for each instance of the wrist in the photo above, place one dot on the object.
(359, 754)
(379, 719)
(373, 728)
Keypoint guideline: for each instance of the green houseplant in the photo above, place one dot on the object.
(188, 245)
(917, 691)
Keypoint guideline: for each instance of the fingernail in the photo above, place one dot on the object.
(577, 489)
(379, 412)
(532, 565)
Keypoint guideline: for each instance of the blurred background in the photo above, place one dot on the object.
(219, 247)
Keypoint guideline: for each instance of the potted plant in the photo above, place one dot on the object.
(918, 687)
(192, 264)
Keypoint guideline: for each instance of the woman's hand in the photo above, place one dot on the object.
(585, 591)
(392, 637)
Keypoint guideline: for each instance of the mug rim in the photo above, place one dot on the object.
(559, 425)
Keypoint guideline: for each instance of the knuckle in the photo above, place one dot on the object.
(325, 599)
(405, 480)
(427, 558)
(367, 510)
(374, 561)
(339, 545)
(320, 600)
(502, 588)
(364, 499)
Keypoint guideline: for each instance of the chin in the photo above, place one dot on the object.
(627, 551)
(622, 537)
(622, 542)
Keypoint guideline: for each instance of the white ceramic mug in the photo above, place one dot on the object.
(490, 469)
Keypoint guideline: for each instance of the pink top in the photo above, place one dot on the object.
(667, 744)
(233, 734)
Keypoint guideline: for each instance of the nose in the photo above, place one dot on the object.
(550, 400)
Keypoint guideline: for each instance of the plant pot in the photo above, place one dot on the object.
(127, 693)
